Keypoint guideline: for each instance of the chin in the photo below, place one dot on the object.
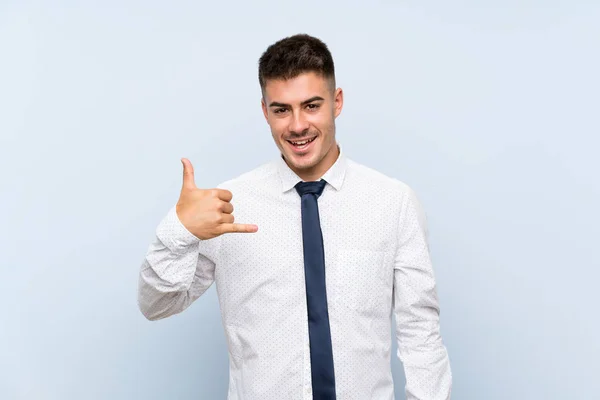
(305, 161)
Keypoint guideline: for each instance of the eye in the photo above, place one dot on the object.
(279, 110)
(312, 106)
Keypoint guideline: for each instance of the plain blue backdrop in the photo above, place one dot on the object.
(488, 109)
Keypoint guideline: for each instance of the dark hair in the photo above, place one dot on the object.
(294, 55)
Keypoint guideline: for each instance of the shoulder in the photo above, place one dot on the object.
(256, 176)
(396, 194)
(377, 180)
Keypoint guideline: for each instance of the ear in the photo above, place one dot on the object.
(264, 108)
(338, 102)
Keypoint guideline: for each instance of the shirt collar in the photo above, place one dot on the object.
(334, 175)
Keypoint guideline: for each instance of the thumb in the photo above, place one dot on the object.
(188, 174)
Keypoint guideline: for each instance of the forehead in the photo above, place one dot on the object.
(296, 90)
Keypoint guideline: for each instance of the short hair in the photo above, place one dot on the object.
(294, 55)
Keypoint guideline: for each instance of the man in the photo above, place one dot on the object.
(327, 251)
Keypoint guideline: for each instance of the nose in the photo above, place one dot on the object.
(298, 124)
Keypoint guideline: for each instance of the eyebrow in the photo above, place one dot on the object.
(314, 98)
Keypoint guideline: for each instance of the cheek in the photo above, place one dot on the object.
(323, 123)
(277, 126)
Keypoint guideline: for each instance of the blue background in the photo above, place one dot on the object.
(488, 109)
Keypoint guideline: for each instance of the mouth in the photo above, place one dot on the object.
(301, 145)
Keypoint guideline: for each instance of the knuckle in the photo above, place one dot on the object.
(223, 207)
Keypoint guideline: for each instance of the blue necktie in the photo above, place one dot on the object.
(321, 355)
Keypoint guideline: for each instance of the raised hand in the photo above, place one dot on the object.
(206, 213)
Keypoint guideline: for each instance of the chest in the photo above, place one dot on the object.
(268, 266)
(354, 224)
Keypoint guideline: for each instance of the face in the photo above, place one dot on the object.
(301, 113)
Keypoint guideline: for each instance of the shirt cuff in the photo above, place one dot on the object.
(173, 234)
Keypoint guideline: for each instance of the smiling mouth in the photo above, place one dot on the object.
(301, 143)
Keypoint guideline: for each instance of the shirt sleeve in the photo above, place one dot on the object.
(177, 269)
(416, 308)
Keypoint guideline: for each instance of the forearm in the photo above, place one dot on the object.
(424, 356)
(431, 379)
(177, 269)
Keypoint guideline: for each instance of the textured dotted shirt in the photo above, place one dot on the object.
(377, 262)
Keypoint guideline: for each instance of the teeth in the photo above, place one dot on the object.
(302, 143)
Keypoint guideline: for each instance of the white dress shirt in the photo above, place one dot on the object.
(377, 263)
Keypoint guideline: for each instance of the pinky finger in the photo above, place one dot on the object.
(239, 228)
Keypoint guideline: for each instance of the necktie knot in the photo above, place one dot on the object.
(313, 187)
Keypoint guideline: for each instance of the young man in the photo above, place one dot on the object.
(328, 250)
